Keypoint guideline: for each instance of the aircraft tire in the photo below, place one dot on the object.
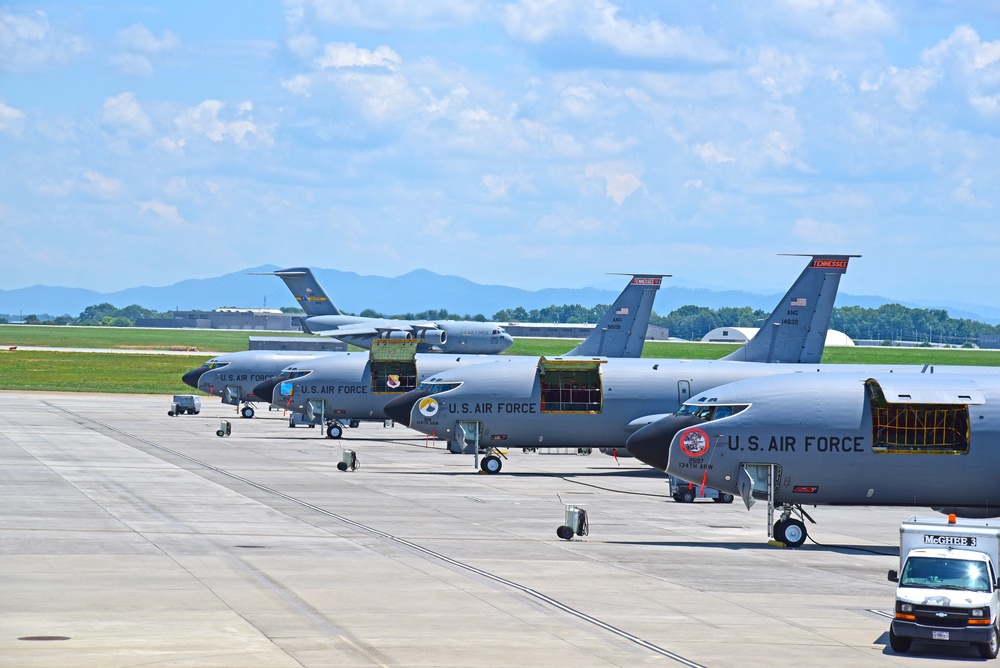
(687, 496)
(247, 412)
(334, 431)
(793, 533)
(354, 424)
(989, 650)
(491, 464)
(565, 532)
(901, 645)
(723, 498)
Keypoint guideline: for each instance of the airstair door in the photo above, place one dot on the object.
(683, 391)
(316, 411)
(759, 481)
(467, 434)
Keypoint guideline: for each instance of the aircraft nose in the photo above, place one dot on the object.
(265, 391)
(398, 410)
(651, 444)
(192, 376)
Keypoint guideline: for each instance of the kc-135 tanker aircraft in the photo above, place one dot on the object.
(599, 402)
(839, 438)
(349, 387)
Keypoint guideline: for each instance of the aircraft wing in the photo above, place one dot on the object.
(377, 328)
(352, 330)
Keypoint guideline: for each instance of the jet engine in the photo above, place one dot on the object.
(396, 335)
(434, 337)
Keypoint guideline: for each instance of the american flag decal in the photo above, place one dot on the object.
(622, 311)
(799, 302)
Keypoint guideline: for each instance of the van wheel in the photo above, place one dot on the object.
(354, 424)
(687, 496)
(723, 498)
(902, 645)
(988, 650)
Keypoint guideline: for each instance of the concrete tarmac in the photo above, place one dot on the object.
(130, 538)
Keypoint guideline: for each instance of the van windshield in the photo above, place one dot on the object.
(949, 573)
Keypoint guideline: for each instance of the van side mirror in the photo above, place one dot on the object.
(893, 576)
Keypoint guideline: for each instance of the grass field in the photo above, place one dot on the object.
(161, 374)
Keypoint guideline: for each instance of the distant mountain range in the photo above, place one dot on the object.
(416, 291)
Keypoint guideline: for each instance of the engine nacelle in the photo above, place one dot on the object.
(434, 337)
(398, 336)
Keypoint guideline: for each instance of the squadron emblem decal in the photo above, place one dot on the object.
(428, 407)
(694, 442)
(393, 381)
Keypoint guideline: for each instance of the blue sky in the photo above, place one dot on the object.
(530, 143)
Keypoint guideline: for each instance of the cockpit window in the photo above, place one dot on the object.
(710, 412)
(435, 387)
(216, 365)
(293, 373)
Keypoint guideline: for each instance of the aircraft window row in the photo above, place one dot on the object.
(435, 388)
(571, 391)
(920, 428)
(711, 411)
(393, 376)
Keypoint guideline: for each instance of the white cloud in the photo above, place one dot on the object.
(204, 121)
(384, 14)
(620, 181)
(778, 73)
(124, 113)
(300, 84)
(27, 41)
(302, 45)
(166, 212)
(813, 231)
(712, 154)
(836, 19)
(602, 23)
(138, 37)
(342, 54)
(102, 186)
(133, 64)
(11, 119)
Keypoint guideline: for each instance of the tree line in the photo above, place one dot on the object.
(889, 322)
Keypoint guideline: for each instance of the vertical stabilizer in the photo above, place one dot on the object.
(796, 330)
(622, 330)
(307, 291)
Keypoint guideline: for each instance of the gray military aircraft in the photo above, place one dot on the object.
(598, 402)
(232, 376)
(861, 437)
(356, 386)
(443, 336)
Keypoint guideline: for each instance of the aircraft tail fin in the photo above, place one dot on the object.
(622, 330)
(796, 330)
(307, 291)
